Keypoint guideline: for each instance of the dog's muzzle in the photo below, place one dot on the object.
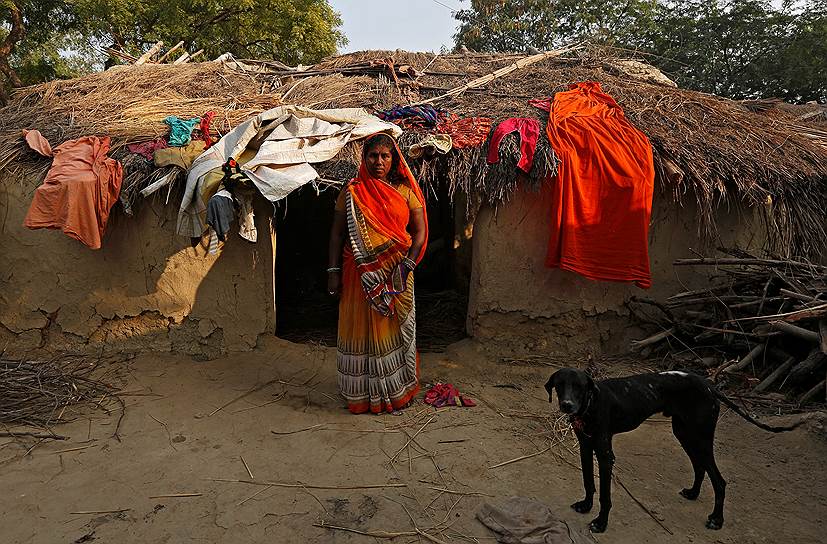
(567, 407)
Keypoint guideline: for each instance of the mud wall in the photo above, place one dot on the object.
(146, 289)
(519, 305)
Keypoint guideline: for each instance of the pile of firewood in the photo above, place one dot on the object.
(762, 322)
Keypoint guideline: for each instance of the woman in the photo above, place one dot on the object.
(381, 216)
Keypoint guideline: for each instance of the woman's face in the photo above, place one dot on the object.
(379, 161)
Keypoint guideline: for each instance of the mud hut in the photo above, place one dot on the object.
(726, 176)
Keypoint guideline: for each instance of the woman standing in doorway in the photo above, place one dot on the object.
(379, 234)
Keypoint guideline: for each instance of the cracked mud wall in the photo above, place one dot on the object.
(519, 305)
(146, 289)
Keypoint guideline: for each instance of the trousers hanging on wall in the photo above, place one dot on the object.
(602, 198)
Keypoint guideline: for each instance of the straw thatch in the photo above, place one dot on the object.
(715, 149)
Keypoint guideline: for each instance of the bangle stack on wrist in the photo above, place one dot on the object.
(409, 263)
(334, 269)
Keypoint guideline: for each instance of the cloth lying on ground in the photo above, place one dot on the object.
(413, 117)
(180, 130)
(79, 190)
(445, 394)
(602, 199)
(467, 132)
(290, 138)
(376, 357)
(147, 149)
(179, 156)
(430, 145)
(520, 520)
(529, 131)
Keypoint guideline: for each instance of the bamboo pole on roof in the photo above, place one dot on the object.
(168, 53)
(516, 65)
(148, 55)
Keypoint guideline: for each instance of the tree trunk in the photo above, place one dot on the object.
(17, 32)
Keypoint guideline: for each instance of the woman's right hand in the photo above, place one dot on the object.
(334, 282)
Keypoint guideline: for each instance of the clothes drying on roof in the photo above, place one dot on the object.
(181, 157)
(529, 131)
(79, 190)
(467, 132)
(430, 145)
(220, 213)
(204, 126)
(147, 149)
(180, 130)
(275, 150)
(413, 117)
(602, 199)
(38, 142)
(246, 217)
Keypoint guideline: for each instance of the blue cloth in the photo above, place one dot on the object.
(426, 116)
(180, 131)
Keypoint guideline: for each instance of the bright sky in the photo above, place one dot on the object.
(413, 25)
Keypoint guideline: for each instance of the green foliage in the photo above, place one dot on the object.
(62, 38)
(293, 31)
(734, 48)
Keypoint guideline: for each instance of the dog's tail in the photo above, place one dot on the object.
(740, 411)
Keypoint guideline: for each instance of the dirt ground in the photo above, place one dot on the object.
(175, 441)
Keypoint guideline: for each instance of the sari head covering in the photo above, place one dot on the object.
(378, 217)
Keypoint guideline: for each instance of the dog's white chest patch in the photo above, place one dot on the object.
(676, 373)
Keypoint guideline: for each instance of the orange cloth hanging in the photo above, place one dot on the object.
(79, 191)
(603, 194)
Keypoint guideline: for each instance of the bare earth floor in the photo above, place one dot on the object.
(170, 444)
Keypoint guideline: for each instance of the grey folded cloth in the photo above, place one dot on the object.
(220, 213)
(520, 520)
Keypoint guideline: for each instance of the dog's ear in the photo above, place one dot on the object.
(592, 386)
(552, 381)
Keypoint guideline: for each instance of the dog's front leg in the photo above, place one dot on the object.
(605, 462)
(587, 466)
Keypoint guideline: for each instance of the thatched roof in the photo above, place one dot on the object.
(716, 149)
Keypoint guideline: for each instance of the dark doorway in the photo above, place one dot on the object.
(305, 312)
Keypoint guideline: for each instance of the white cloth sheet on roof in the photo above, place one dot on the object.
(291, 138)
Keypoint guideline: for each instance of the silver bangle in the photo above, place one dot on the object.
(333, 269)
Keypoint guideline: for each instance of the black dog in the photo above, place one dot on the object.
(598, 411)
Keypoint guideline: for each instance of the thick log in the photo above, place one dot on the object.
(799, 296)
(795, 330)
(806, 368)
(813, 393)
(654, 339)
(747, 359)
(773, 377)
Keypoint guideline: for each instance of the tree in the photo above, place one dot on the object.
(734, 48)
(517, 25)
(293, 31)
(47, 39)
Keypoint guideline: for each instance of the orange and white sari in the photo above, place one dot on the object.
(377, 360)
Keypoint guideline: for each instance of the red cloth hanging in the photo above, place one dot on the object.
(529, 130)
(206, 119)
(603, 193)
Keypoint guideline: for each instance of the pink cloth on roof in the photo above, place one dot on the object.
(148, 149)
(529, 130)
